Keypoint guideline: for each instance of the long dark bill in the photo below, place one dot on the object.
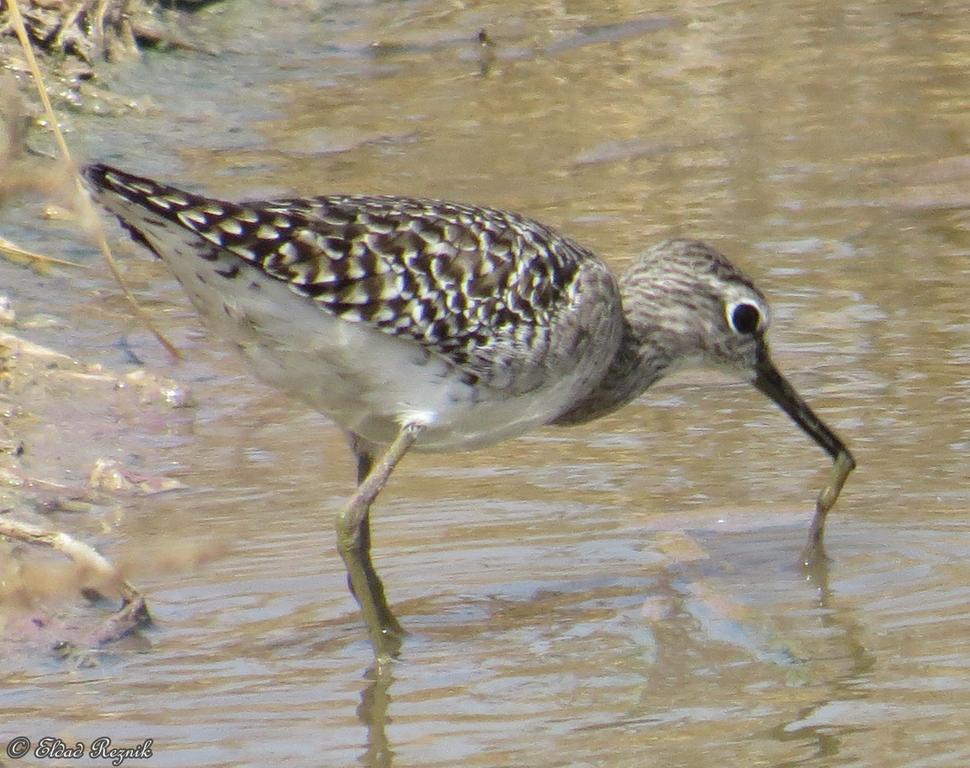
(769, 381)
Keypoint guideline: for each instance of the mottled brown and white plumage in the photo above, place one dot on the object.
(442, 326)
(495, 323)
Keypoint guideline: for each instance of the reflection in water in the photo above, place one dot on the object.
(692, 587)
(375, 701)
(834, 615)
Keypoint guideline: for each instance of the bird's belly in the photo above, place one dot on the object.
(367, 381)
(372, 384)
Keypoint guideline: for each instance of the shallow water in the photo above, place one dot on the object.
(620, 594)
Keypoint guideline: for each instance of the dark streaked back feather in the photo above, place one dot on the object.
(482, 287)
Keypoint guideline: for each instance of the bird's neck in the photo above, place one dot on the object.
(641, 359)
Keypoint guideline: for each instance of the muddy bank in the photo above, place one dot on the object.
(62, 477)
(63, 489)
(72, 37)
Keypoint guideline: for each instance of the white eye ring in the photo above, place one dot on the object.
(745, 317)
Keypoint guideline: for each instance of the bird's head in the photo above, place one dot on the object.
(688, 305)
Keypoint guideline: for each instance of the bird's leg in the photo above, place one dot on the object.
(353, 540)
(365, 453)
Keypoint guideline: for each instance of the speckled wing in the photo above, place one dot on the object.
(486, 289)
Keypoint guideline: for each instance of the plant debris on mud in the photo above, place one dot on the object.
(70, 37)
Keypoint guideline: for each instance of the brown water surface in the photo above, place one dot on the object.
(621, 594)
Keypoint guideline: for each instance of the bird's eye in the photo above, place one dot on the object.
(744, 318)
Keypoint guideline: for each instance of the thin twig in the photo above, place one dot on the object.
(84, 555)
(15, 252)
(69, 21)
(133, 612)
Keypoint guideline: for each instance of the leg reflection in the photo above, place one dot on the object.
(374, 702)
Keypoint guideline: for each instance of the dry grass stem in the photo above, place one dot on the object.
(37, 260)
(84, 205)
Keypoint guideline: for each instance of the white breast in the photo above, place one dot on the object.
(368, 381)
